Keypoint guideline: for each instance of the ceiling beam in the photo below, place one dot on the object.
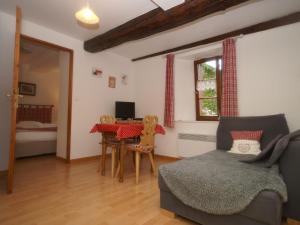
(157, 21)
(282, 21)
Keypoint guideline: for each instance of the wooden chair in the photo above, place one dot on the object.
(110, 142)
(146, 145)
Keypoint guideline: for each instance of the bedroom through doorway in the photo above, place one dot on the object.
(44, 109)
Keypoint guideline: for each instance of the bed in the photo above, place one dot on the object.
(267, 207)
(35, 133)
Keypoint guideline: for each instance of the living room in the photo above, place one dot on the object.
(264, 35)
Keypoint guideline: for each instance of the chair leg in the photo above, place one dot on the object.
(152, 162)
(137, 166)
(133, 159)
(118, 163)
(103, 159)
(118, 169)
(113, 161)
(101, 166)
(100, 163)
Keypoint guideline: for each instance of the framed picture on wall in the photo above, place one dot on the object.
(27, 89)
(112, 82)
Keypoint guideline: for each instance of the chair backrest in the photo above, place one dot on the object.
(107, 119)
(147, 137)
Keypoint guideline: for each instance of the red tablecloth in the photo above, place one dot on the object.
(127, 130)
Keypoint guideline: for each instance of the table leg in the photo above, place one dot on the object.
(122, 153)
(151, 168)
(103, 156)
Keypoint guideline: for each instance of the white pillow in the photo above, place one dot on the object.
(248, 147)
(48, 125)
(29, 124)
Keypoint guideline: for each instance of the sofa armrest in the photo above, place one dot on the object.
(290, 170)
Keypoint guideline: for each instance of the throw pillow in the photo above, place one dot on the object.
(281, 146)
(265, 152)
(246, 142)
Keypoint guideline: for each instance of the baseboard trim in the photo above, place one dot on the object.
(165, 157)
(90, 158)
(84, 159)
(3, 173)
(61, 159)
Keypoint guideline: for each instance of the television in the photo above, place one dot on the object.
(125, 110)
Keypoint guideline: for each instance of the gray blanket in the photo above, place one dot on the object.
(218, 183)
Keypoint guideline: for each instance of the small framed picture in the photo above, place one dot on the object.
(112, 82)
(27, 89)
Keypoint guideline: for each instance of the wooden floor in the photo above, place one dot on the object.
(50, 192)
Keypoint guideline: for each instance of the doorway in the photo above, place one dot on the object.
(57, 62)
(43, 115)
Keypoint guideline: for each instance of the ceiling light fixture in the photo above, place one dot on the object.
(87, 16)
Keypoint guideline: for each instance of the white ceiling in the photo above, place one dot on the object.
(238, 17)
(59, 15)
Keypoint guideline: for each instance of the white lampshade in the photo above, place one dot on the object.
(87, 16)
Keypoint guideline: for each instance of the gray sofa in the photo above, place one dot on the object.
(266, 208)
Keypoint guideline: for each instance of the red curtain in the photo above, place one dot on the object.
(229, 105)
(169, 93)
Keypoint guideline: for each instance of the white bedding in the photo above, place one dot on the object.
(31, 136)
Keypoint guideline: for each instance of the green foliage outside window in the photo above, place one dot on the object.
(210, 93)
(209, 72)
(209, 107)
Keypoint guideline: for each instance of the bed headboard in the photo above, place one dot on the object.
(40, 113)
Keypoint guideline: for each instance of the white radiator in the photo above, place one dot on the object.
(195, 144)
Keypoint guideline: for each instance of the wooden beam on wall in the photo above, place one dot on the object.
(157, 21)
(282, 21)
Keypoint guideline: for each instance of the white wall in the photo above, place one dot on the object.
(7, 29)
(149, 98)
(268, 83)
(62, 122)
(91, 96)
(269, 73)
(150, 92)
(47, 89)
(185, 108)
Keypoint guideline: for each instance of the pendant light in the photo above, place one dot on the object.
(87, 16)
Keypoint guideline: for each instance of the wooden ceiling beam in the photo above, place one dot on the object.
(282, 21)
(157, 21)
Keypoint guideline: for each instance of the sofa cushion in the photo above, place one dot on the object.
(265, 209)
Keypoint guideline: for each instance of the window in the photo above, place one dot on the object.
(208, 88)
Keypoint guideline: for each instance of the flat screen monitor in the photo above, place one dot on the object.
(125, 110)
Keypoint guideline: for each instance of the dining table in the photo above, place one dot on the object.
(122, 132)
